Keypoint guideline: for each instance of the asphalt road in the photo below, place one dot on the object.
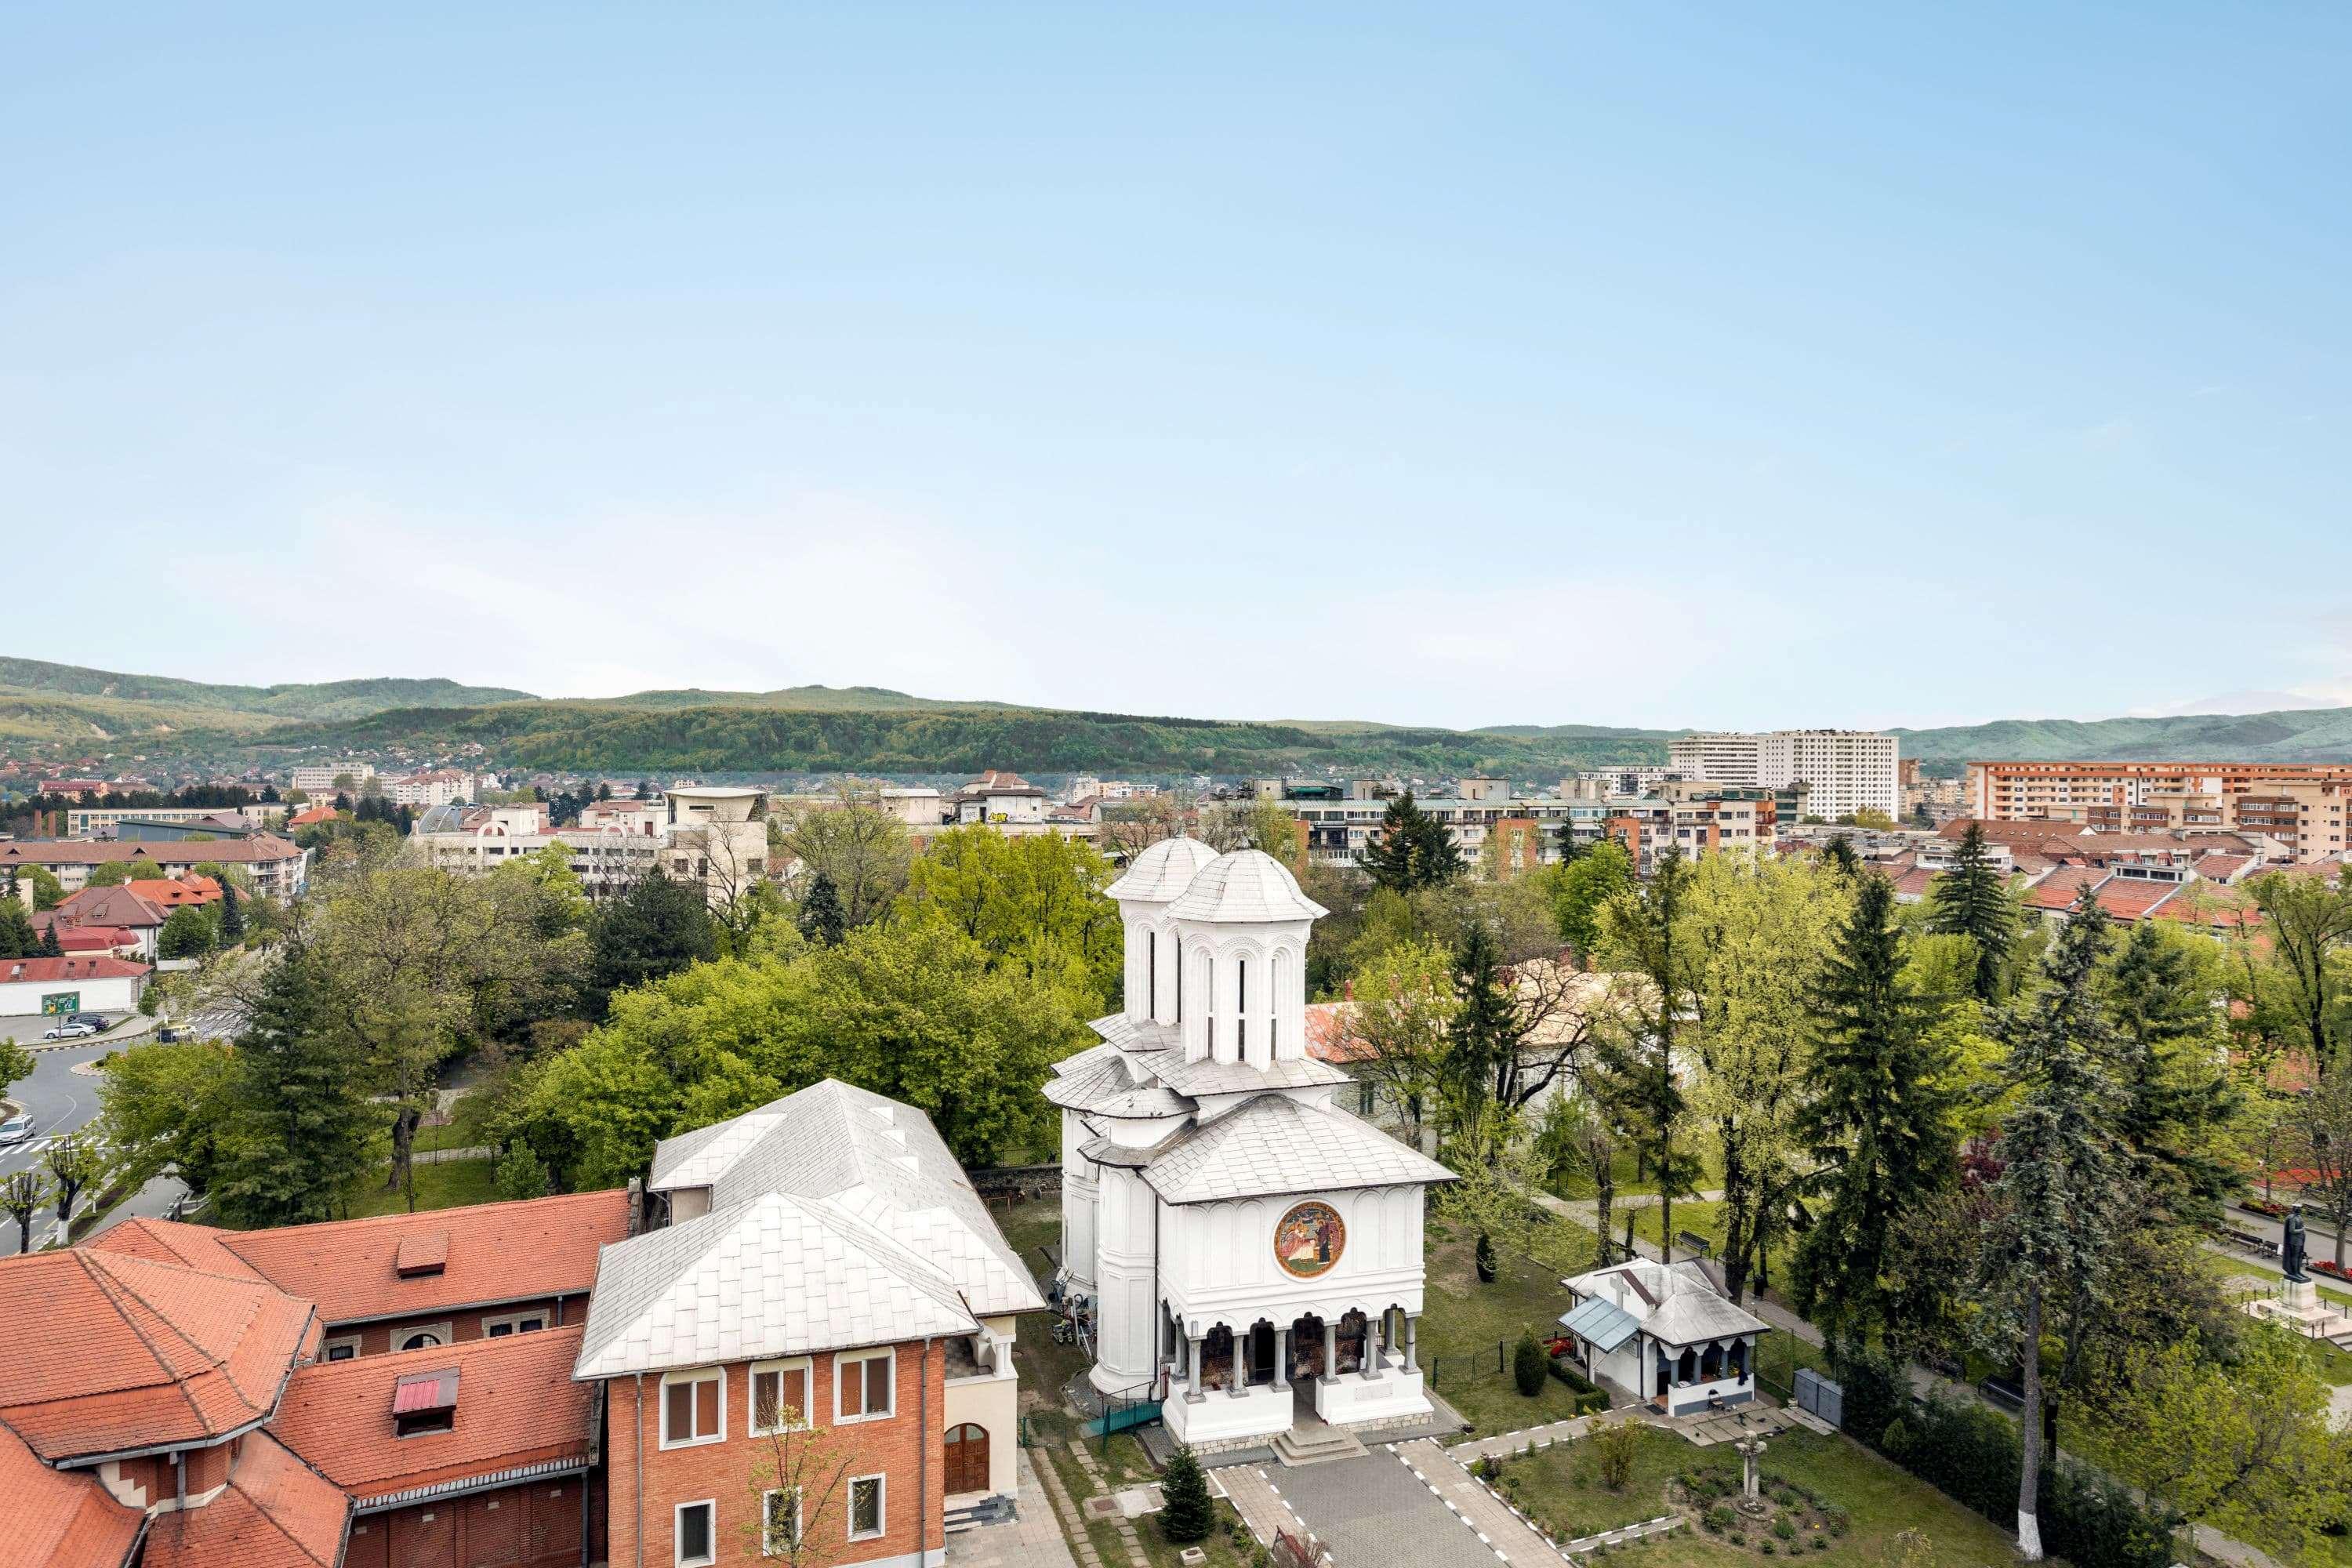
(59, 1100)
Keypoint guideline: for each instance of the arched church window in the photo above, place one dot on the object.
(1180, 979)
(1241, 1009)
(1151, 973)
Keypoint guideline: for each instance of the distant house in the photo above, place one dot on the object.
(95, 983)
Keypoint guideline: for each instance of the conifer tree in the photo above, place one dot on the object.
(2045, 1249)
(232, 915)
(822, 919)
(1414, 849)
(16, 938)
(50, 947)
(1634, 1067)
(1571, 851)
(303, 1121)
(1482, 1037)
(2177, 1103)
(1877, 1128)
(1188, 1514)
(1840, 853)
(1970, 901)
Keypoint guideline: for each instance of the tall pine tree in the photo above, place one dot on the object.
(232, 915)
(1481, 1041)
(1635, 1067)
(2045, 1250)
(2177, 1101)
(1414, 849)
(303, 1121)
(1876, 1128)
(822, 919)
(1971, 900)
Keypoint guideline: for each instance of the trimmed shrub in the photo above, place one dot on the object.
(1188, 1514)
(1529, 1365)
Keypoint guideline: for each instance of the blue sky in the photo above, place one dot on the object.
(1646, 365)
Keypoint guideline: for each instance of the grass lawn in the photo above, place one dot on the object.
(451, 1185)
(464, 1129)
(1462, 1321)
(1580, 1184)
(1558, 1485)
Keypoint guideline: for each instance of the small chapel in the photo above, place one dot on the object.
(1245, 1252)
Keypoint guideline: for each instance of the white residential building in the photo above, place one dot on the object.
(1848, 770)
(319, 778)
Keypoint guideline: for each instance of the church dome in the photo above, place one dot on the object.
(1162, 872)
(1245, 887)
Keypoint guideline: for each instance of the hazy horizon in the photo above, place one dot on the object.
(1657, 368)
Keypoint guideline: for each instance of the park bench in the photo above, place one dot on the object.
(2247, 1241)
(1692, 1242)
(2005, 1392)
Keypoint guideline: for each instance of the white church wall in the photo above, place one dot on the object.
(1218, 1264)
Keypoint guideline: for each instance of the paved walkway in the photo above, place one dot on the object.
(1031, 1539)
(1374, 1513)
(1073, 1526)
(1251, 1489)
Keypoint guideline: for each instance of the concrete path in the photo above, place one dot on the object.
(1031, 1539)
(1251, 1489)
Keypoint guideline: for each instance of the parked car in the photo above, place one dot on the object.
(168, 1035)
(95, 1020)
(16, 1130)
(70, 1031)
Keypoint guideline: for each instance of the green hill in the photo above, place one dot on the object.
(323, 700)
(2300, 735)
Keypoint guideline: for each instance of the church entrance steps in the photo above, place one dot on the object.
(1316, 1445)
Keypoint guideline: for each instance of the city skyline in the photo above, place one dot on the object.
(1662, 369)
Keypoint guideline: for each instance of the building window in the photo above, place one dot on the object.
(779, 1396)
(513, 1323)
(1180, 979)
(1241, 1009)
(1366, 1095)
(411, 1422)
(1151, 973)
(694, 1408)
(344, 1349)
(780, 1516)
(861, 1386)
(865, 1508)
(422, 1337)
(696, 1534)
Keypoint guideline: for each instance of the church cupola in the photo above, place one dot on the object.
(1153, 880)
(1242, 928)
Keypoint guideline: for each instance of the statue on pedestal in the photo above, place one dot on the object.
(2293, 1250)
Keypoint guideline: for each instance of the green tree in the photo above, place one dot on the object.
(2241, 1442)
(21, 1196)
(187, 933)
(169, 1106)
(114, 873)
(302, 1125)
(1188, 1513)
(2046, 1251)
(47, 892)
(822, 919)
(1971, 900)
(1759, 930)
(74, 1165)
(17, 938)
(1482, 1039)
(657, 927)
(1638, 1064)
(232, 916)
(2179, 1105)
(50, 947)
(1565, 843)
(1414, 849)
(16, 1061)
(1397, 1026)
(1529, 1366)
(521, 1175)
(2307, 989)
(1036, 905)
(1877, 1127)
(1599, 875)
(863, 848)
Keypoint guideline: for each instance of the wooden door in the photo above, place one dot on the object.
(967, 1462)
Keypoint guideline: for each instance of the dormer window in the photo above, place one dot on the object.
(425, 1402)
(424, 1253)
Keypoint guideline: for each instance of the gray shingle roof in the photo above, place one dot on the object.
(1244, 888)
(1108, 1082)
(1677, 1305)
(1162, 872)
(1205, 1078)
(1274, 1144)
(774, 1276)
(875, 1157)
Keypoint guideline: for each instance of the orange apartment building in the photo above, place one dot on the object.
(535, 1384)
(2299, 807)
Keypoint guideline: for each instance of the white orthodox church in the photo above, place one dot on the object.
(1246, 1251)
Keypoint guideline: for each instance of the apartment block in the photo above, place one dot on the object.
(2300, 808)
(1848, 771)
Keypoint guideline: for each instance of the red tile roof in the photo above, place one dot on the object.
(117, 906)
(262, 847)
(194, 1246)
(316, 814)
(59, 1519)
(168, 893)
(79, 966)
(2129, 897)
(495, 1252)
(278, 1512)
(156, 1352)
(94, 939)
(1328, 1039)
(516, 1405)
(2059, 889)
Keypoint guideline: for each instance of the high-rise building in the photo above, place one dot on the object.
(1848, 770)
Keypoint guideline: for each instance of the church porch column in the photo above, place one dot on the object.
(1192, 1368)
(1412, 1342)
(1239, 1387)
(1331, 1351)
(1372, 1363)
(1282, 1355)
